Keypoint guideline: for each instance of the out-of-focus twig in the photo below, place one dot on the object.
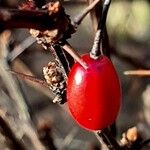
(137, 72)
(45, 135)
(20, 48)
(12, 140)
(7, 78)
(15, 94)
(69, 138)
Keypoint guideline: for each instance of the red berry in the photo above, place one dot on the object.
(93, 94)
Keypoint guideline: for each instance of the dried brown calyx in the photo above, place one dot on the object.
(55, 80)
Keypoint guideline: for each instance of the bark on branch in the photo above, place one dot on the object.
(37, 19)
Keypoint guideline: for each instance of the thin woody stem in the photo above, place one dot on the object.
(105, 137)
(67, 47)
(63, 58)
(29, 77)
(96, 49)
(78, 19)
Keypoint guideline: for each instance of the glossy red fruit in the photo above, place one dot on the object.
(93, 94)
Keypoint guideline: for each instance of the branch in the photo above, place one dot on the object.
(14, 18)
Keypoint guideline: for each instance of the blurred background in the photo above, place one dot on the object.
(128, 26)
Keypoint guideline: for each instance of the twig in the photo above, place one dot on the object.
(9, 133)
(137, 72)
(95, 15)
(8, 80)
(65, 61)
(105, 137)
(19, 66)
(20, 48)
(67, 47)
(15, 94)
(29, 77)
(106, 44)
(78, 19)
(69, 138)
(97, 49)
(45, 136)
